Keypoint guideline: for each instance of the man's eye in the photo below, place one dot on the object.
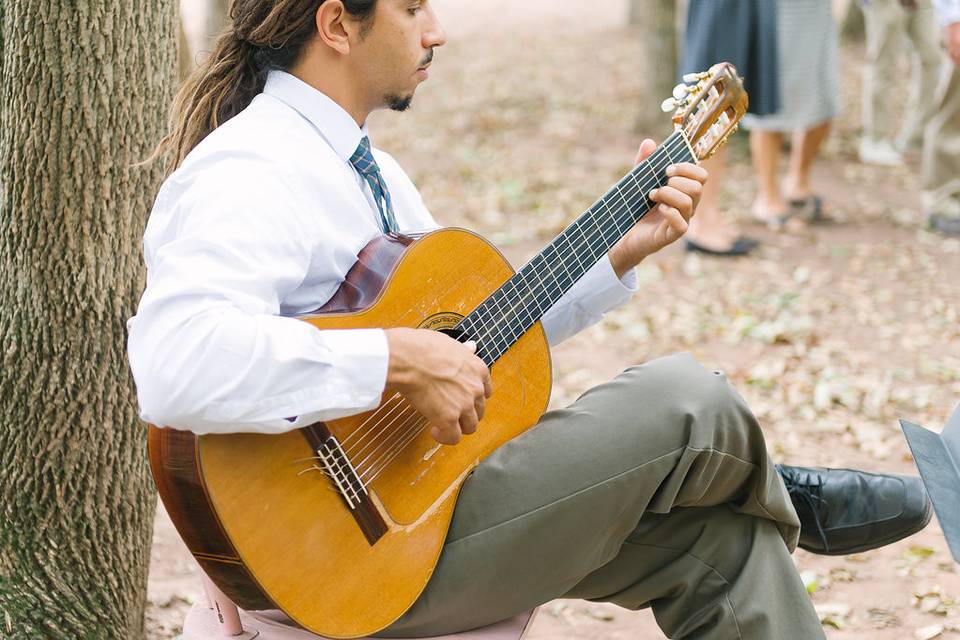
(414, 10)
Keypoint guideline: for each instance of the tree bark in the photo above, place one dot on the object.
(87, 84)
(657, 22)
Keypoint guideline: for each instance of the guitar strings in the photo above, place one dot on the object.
(671, 145)
(390, 447)
(408, 432)
(535, 291)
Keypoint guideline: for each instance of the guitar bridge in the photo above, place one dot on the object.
(345, 479)
(341, 472)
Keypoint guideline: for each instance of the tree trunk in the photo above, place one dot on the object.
(87, 84)
(658, 33)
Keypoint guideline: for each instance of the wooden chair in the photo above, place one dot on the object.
(218, 616)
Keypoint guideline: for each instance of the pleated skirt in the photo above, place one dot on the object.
(742, 32)
(807, 49)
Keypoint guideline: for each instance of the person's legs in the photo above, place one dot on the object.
(554, 505)
(709, 229)
(941, 155)
(765, 149)
(806, 145)
(884, 29)
(703, 571)
(924, 33)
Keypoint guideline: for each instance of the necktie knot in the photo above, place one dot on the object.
(362, 159)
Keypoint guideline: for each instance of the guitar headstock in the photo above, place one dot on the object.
(709, 107)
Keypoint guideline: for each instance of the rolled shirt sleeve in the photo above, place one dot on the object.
(597, 292)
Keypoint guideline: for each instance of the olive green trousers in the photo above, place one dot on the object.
(652, 490)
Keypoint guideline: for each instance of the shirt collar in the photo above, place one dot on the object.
(337, 126)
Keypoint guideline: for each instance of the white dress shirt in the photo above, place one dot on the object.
(262, 222)
(948, 10)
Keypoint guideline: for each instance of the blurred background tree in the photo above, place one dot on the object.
(656, 21)
(92, 81)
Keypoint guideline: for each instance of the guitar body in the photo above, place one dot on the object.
(272, 530)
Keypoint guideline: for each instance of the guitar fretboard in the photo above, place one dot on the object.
(510, 311)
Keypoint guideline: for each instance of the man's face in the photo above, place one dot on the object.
(394, 54)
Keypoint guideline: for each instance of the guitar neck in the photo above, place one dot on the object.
(509, 312)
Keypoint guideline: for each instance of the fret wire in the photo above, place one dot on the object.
(605, 241)
(562, 259)
(573, 250)
(524, 302)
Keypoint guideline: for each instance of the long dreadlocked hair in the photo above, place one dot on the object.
(262, 35)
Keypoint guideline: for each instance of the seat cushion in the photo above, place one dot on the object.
(201, 624)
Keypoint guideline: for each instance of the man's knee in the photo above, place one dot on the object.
(687, 394)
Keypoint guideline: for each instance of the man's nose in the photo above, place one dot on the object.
(434, 35)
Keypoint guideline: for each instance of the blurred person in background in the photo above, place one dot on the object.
(742, 32)
(807, 51)
(887, 22)
(941, 144)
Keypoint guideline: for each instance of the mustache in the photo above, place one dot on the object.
(427, 59)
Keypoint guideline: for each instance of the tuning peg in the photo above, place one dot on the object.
(695, 77)
(669, 105)
(680, 91)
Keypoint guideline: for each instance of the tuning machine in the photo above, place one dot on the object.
(670, 104)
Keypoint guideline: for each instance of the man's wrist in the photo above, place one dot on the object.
(621, 263)
(400, 372)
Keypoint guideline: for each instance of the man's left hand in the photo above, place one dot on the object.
(675, 204)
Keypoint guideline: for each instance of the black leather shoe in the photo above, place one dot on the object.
(740, 247)
(847, 511)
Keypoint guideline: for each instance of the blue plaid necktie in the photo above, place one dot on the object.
(362, 160)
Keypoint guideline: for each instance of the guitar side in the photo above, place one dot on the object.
(273, 537)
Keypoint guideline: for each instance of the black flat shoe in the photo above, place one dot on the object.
(740, 247)
(947, 225)
(845, 511)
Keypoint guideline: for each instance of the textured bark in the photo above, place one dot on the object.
(657, 21)
(85, 88)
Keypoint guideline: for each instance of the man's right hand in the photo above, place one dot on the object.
(443, 379)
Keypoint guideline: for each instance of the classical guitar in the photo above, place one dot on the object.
(340, 524)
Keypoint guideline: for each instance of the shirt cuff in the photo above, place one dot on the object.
(611, 291)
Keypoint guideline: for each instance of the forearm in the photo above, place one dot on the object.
(225, 371)
(600, 290)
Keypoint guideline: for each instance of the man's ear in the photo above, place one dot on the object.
(334, 26)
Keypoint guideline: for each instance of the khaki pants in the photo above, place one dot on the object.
(941, 147)
(887, 22)
(652, 490)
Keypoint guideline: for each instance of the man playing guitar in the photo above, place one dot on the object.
(654, 489)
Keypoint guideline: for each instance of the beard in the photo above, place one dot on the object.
(397, 102)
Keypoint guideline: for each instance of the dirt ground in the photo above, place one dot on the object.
(831, 334)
